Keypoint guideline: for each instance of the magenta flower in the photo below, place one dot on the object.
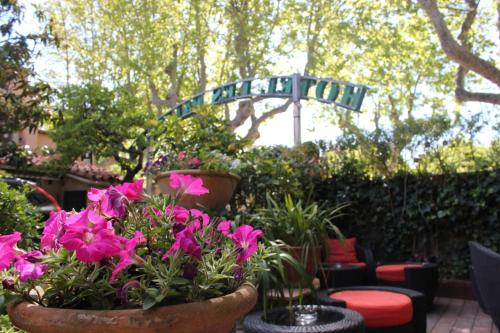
(194, 162)
(122, 293)
(132, 191)
(151, 214)
(186, 184)
(91, 237)
(245, 238)
(185, 241)
(29, 267)
(127, 254)
(225, 227)
(95, 195)
(53, 230)
(7, 249)
(112, 201)
(179, 214)
(200, 219)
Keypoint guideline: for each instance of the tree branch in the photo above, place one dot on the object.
(455, 51)
(253, 132)
(463, 95)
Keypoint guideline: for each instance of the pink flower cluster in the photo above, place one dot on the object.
(26, 263)
(92, 236)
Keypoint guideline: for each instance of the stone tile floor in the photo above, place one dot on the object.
(451, 315)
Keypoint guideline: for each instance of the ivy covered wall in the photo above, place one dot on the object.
(420, 216)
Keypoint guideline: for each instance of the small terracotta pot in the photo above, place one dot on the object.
(221, 186)
(213, 315)
(312, 263)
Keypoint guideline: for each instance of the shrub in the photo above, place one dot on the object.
(16, 213)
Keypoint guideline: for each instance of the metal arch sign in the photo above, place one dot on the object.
(325, 90)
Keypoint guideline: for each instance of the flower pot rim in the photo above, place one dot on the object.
(198, 172)
(246, 288)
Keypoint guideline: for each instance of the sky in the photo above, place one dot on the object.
(278, 130)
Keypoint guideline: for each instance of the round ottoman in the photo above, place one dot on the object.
(379, 308)
(384, 309)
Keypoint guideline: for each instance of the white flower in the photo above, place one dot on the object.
(236, 163)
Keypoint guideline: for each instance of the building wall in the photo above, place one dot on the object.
(35, 139)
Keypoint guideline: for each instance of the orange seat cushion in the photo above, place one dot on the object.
(378, 308)
(359, 264)
(394, 273)
(343, 252)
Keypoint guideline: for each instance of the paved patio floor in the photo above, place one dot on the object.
(451, 315)
(458, 316)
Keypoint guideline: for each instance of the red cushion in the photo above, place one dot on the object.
(359, 264)
(378, 308)
(394, 273)
(342, 252)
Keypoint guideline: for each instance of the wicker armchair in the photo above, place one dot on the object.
(364, 255)
(486, 273)
(422, 277)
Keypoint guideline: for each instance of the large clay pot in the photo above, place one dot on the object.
(213, 315)
(310, 259)
(221, 186)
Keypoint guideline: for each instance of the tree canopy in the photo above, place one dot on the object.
(161, 52)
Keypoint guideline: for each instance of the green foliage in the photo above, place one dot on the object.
(205, 131)
(106, 123)
(6, 326)
(420, 216)
(276, 170)
(297, 223)
(18, 214)
(23, 103)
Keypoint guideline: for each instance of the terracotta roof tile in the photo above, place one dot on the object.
(92, 171)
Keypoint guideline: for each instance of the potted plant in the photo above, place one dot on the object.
(302, 226)
(217, 170)
(131, 262)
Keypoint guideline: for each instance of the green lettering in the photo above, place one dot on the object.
(273, 82)
(320, 89)
(198, 100)
(287, 84)
(334, 92)
(230, 91)
(305, 84)
(353, 97)
(178, 111)
(187, 109)
(246, 88)
(217, 96)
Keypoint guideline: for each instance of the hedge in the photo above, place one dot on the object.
(420, 216)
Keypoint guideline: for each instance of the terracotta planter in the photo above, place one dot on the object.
(311, 263)
(220, 184)
(214, 315)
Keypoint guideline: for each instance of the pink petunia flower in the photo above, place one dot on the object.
(186, 184)
(151, 214)
(245, 239)
(127, 254)
(113, 200)
(201, 219)
(91, 237)
(178, 213)
(194, 162)
(29, 267)
(53, 230)
(7, 249)
(225, 227)
(185, 241)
